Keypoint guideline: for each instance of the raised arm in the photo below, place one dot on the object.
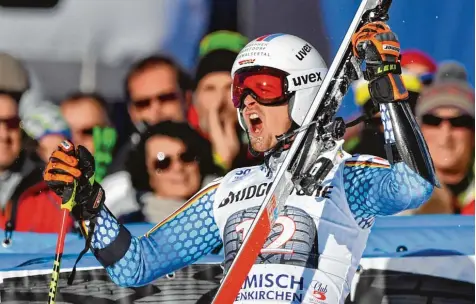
(185, 236)
(373, 186)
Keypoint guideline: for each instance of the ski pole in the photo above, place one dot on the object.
(66, 207)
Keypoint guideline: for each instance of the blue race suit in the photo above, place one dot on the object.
(314, 248)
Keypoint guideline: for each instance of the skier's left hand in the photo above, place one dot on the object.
(379, 47)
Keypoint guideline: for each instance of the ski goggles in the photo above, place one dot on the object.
(270, 86)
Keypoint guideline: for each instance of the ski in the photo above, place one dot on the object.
(312, 154)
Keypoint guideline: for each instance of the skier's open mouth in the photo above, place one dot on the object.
(256, 124)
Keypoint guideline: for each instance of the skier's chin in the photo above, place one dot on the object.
(261, 143)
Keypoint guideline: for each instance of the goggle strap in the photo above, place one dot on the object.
(305, 79)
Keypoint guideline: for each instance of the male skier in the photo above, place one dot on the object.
(314, 248)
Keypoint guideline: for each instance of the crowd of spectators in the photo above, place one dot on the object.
(185, 133)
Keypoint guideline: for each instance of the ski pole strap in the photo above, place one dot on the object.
(366, 117)
(85, 249)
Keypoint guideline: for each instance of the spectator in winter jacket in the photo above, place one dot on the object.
(212, 112)
(446, 114)
(26, 203)
(178, 161)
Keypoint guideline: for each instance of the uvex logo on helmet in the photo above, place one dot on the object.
(303, 52)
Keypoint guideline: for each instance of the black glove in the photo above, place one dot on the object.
(70, 174)
(379, 47)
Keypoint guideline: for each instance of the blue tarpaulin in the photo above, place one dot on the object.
(429, 257)
(423, 235)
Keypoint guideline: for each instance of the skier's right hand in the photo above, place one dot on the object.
(70, 174)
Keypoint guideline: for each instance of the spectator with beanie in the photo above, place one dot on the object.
(446, 114)
(46, 127)
(418, 63)
(26, 203)
(212, 112)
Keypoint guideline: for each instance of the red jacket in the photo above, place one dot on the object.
(38, 210)
(468, 209)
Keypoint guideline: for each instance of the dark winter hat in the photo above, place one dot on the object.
(218, 52)
(215, 61)
(449, 89)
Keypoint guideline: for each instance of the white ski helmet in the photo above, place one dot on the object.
(303, 67)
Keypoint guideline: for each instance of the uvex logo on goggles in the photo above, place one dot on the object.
(305, 79)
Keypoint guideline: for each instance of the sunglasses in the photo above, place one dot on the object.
(146, 102)
(163, 161)
(12, 123)
(426, 78)
(87, 132)
(463, 121)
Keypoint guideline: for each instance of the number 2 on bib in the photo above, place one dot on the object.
(287, 232)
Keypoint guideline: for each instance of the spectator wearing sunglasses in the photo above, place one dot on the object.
(446, 114)
(26, 203)
(157, 91)
(178, 162)
(83, 112)
(212, 111)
